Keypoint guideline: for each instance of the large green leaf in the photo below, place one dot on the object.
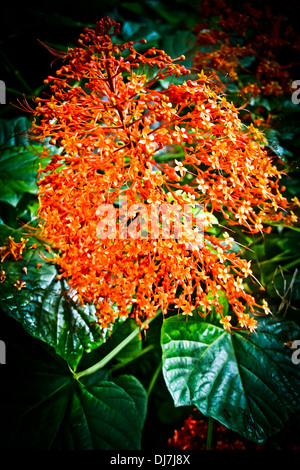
(44, 407)
(42, 306)
(248, 383)
(19, 160)
(18, 172)
(104, 416)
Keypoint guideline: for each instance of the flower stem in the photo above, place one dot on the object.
(209, 433)
(154, 378)
(133, 358)
(109, 356)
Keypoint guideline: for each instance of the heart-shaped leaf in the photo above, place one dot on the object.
(43, 308)
(104, 416)
(248, 383)
(44, 407)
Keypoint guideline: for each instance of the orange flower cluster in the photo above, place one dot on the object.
(111, 122)
(12, 249)
(193, 434)
(223, 52)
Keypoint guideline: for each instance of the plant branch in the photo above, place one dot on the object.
(209, 433)
(109, 356)
(154, 378)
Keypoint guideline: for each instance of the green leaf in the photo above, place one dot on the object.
(135, 7)
(44, 408)
(249, 384)
(19, 163)
(13, 132)
(121, 332)
(18, 169)
(160, 9)
(42, 306)
(18, 172)
(246, 61)
(134, 31)
(104, 416)
(134, 389)
(179, 43)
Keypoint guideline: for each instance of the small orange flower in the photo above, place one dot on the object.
(226, 322)
(20, 284)
(2, 275)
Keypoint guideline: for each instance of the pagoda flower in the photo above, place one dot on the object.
(179, 167)
(110, 121)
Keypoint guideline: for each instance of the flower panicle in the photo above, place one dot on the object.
(113, 130)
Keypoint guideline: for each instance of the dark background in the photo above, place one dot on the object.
(25, 63)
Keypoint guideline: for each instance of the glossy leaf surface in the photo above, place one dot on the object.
(249, 384)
